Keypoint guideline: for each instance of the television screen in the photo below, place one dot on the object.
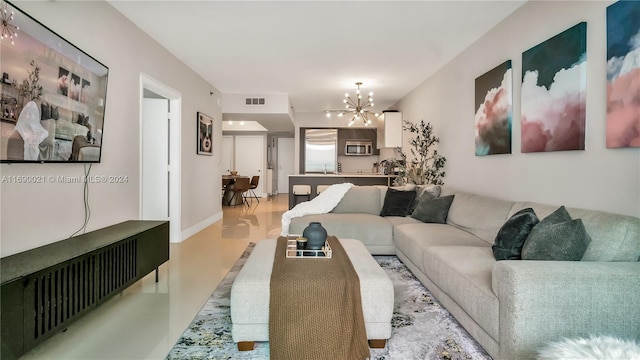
(52, 95)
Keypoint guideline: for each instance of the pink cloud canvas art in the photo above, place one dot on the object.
(623, 74)
(493, 111)
(554, 93)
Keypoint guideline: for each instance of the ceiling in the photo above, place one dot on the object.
(315, 51)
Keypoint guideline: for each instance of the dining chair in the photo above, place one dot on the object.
(225, 183)
(254, 185)
(239, 187)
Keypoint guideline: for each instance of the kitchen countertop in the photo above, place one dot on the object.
(343, 175)
(314, 180)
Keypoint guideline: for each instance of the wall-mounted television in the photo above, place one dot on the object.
(53, 95)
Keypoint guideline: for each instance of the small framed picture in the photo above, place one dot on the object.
(205, 130)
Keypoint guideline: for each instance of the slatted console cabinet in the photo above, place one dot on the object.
(45, 289)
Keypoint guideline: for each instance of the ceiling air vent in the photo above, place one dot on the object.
(254, 101)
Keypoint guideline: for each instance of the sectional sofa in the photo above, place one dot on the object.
(511, 307)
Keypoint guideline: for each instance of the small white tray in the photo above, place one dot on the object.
(293, 253)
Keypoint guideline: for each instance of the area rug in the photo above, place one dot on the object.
(422, 329)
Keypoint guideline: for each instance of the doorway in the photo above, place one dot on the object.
(249, 158)
(286, 162)
(160, 129)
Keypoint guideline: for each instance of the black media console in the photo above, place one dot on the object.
(45, 289)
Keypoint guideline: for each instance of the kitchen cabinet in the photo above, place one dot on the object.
(369, 134)
(390, 130)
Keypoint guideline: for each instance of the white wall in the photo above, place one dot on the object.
(35, 215)
(596, 178)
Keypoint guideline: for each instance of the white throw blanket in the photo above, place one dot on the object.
(31, 130)
(321, 204)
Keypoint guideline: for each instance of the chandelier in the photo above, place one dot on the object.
(7, 29)
(358, 109)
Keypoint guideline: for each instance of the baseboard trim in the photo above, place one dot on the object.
(187, 233)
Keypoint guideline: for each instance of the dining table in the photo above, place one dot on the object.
(229, 193)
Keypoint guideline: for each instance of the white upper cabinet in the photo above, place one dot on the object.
(390, 130)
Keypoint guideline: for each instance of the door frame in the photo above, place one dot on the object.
(175, 130)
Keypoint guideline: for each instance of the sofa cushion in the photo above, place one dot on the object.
(614, 237)
(372, 230)
(556, 237)
(433, 210)
(512, 235)
(397, 202)
(480, 215)
(360, 199)
(400, 220)
(412, 238)
(464, 273)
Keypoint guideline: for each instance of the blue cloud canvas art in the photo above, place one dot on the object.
(554, 92)
(623, 74)
(493, 111)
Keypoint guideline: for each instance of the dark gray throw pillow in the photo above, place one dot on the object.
(557, 237)
(45, 111)
(54, 112)
(433, 210)
(397, 202)
(513, 234)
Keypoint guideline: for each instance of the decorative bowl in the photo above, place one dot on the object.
(234, 173)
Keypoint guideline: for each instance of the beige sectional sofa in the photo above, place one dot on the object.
(511, 307)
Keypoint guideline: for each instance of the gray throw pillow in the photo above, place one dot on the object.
(557, 237)
(397, 203)
(424, 193)
(54, 112)
(433, 210)
(45, 111)
(513, 234)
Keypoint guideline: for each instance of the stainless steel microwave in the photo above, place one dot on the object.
(358, 147)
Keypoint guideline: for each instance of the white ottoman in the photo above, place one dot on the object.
(250, 295)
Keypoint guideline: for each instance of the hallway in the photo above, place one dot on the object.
(146, 320)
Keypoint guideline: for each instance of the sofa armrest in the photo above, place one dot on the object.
(543, 301)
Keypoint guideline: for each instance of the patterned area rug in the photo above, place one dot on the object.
(422, 328)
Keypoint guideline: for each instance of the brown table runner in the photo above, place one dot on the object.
(315, 311)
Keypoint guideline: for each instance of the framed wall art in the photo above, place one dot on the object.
(205, 130)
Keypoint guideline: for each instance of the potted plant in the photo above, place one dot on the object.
(31, 88)
(427, 164)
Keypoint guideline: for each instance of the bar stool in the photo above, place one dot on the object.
(301, 190)
(321, 188)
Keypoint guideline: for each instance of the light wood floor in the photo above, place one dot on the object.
(146, 320)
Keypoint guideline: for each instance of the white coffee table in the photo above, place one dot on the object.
(250, 295)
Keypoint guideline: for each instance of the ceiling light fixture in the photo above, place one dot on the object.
(7, 29)
(358, 108)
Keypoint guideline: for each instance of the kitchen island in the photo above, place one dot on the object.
(314, 180)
